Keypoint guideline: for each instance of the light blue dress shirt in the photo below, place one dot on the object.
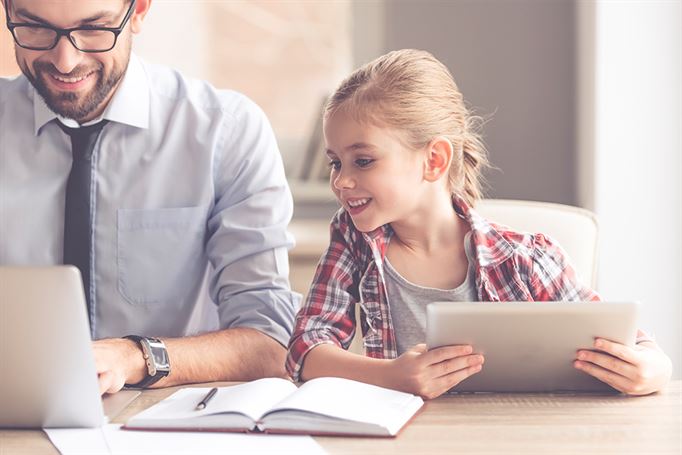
(191, 206)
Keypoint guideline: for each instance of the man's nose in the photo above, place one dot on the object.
(65, 57)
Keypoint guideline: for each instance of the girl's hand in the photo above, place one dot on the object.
(640, 370)
(432, 373)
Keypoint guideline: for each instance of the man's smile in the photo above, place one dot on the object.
(70, 83)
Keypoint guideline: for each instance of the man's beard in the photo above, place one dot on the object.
(77, 106)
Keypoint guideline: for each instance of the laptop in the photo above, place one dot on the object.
(530, 346)
(48, 374)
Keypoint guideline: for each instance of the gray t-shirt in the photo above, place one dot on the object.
(408, 301)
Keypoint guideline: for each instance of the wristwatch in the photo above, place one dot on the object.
(155, 356)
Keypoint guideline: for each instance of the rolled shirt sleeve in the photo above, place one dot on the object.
(247, 229)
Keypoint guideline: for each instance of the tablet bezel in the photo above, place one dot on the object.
(530, 346)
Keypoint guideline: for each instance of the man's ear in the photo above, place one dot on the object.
(438, 158)
(141, 9)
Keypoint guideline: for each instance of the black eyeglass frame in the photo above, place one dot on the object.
(67, 31)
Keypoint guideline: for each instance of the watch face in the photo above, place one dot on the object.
(160, 356)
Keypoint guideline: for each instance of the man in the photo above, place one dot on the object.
(156, 187)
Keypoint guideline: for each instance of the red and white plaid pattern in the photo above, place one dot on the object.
(510, 266)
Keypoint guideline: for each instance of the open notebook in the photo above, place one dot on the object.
(323, 406)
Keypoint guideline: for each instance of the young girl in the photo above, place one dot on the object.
(405, 165)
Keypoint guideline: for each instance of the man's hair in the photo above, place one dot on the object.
(7, 3)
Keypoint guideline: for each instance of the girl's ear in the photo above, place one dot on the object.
(437, 159)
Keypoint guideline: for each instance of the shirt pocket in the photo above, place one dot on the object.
(160, 253)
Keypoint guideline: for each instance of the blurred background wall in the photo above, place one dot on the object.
(514, 61)
(583, 100)
(636, 154)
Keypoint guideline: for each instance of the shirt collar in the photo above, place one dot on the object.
(129, 105)
(491, 247)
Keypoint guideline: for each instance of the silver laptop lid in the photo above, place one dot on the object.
(48, 374)
(530, 346)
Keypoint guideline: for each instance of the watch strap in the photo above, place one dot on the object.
(148, 357)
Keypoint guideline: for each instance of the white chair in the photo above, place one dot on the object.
(575, 229)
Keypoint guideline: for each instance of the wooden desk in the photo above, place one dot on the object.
(496, 423)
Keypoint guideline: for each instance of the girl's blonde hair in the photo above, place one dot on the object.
(411, 91)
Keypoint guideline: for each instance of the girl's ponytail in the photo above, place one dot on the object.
(411, 91)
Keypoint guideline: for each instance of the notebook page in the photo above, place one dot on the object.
(252, 399)
(355, 401)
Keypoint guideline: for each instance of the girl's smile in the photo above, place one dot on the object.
(374, 176)
(356, 206)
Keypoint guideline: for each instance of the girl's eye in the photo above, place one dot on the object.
(335, 165)
(364, 162)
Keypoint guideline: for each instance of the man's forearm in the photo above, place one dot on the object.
(239, 354)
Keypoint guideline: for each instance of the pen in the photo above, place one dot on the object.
(204, 401)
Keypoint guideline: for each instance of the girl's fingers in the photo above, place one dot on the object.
(445, 383)
(419, 348)
(441, 354)
(609, 362)
(615, 380)
(449, 366)
(617, 350)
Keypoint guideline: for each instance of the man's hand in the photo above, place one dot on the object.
(118, 361)
(432, 373)
(640, 370)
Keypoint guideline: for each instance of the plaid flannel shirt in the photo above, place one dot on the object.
(510, 266)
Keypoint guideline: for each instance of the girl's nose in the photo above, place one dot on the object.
(343, 181)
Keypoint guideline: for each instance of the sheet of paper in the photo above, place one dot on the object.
(110, 439)
(79, 441)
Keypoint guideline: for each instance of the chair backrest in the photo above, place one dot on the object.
(575, 229)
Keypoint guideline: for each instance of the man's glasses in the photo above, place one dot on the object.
(39, 37)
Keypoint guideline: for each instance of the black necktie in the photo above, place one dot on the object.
(77, 210)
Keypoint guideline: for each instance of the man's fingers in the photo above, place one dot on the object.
(106, 380)
(116, 385)
(109, 382)
(101, 357)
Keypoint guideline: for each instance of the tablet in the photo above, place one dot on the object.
(48, 370)
(530, 346)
